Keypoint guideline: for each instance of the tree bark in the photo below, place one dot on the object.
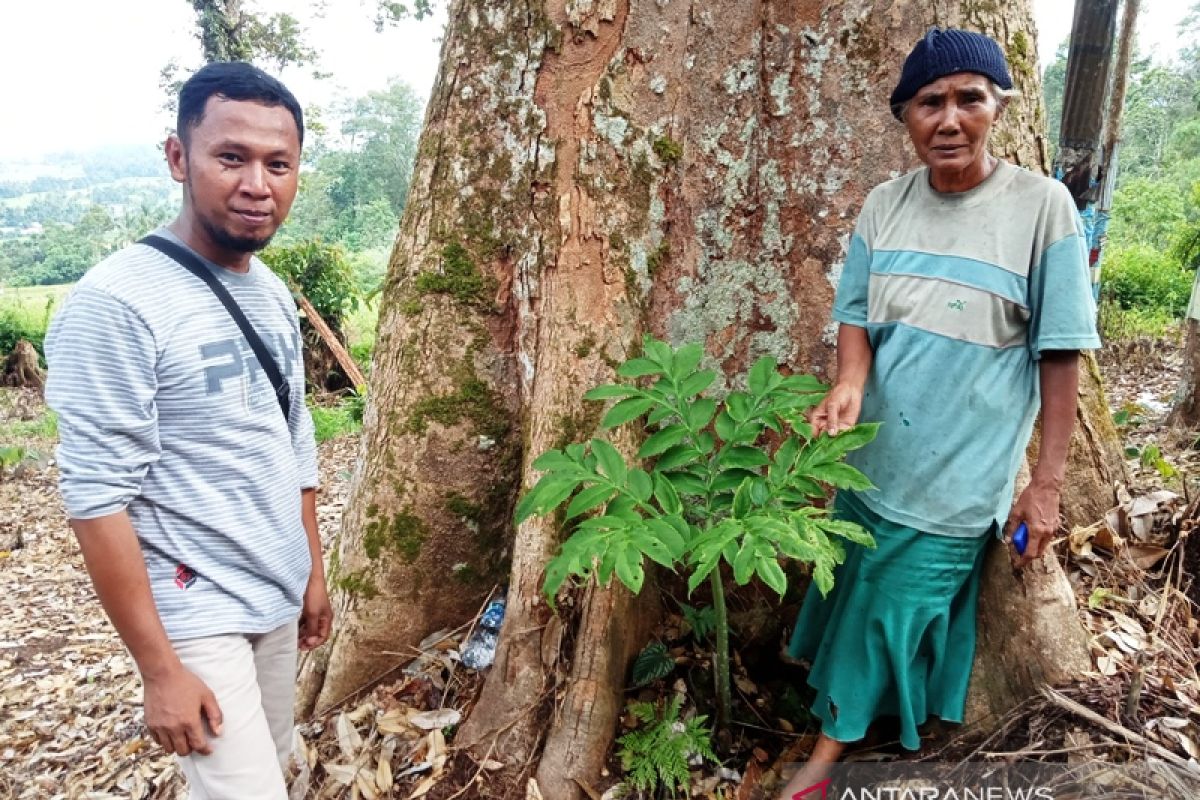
(591, 170)
(1185, 409)
(21, 368)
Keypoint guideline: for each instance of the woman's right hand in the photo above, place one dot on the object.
(838, 411)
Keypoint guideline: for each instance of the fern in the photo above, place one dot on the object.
(655, 757)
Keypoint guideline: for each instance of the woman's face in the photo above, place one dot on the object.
(949, 121)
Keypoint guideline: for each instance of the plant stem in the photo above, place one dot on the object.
(721, 652)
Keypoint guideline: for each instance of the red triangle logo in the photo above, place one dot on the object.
(810, 792)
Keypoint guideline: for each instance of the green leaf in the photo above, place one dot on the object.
(658, 415)
(730, 479)
(697, 383)
(639, 367)
(687, 358)
(702, 620)
(843, 476)
(551, 490)
(743, 457)
(670, 538)
(847, 530)
(803, 488)
(701, 413)
(743, 563)
(785, 456)
(803, 384)
(725, 426)
(589, 498)
(677, 456)
(652, 664)
(659, 352)
(629, 568)
(606, 524)
(640, 484)
(626, 410)
(625, 508)
(772, 574)
(760, 375)
(657, 550)
(686, 483)
(823, 577)
(554, 460)
(610, 460)
(701, 571)
(665, 494)
(557, 572)
(739, 406)
(741, 499)
(662, 441)
(852, 439)
(609, 391)
(705, 442)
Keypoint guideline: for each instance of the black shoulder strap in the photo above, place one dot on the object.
(193, 265)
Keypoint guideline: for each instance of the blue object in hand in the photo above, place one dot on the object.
(1020, 538)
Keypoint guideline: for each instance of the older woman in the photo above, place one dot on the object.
(962, 306)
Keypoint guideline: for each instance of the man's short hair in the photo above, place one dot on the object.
(232, 80)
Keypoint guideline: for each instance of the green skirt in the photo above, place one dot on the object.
(896, 634)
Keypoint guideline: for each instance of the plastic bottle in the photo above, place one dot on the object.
(480, 649)
(1020, 538)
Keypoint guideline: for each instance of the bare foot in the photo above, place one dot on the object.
(824, 756)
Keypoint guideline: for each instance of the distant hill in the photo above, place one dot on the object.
(79, 170)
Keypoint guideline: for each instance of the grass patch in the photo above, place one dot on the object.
(1127, 324)
(25, 314)
(44, 426)
(330, 422)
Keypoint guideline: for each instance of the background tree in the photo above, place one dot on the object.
(589, 171)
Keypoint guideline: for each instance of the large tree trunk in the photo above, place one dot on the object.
(1185, 409)
(592, 169)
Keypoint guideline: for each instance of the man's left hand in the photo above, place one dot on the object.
(1037, 507)
(316, 618)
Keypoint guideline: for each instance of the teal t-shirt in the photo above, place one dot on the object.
(960, 294)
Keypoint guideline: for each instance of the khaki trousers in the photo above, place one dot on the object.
(254, 680)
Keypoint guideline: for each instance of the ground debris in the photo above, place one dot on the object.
(70, 695)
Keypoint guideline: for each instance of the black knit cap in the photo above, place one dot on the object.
(944, 51)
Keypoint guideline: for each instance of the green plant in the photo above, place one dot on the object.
(717, 488)
(330, 422)
(322, 272)
(701, 620)
(1151, 457)
(44, 426)
(1126, 324)
(355, 404)
(23, 321)
(1143, 278)
(653, 663)
(656, 756)
(10, 457)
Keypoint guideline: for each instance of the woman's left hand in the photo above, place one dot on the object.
(1037, 507)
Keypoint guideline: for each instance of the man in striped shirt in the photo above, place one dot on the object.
(192, 497)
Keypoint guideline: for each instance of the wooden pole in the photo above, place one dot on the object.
(1116, 100)
(344, 359)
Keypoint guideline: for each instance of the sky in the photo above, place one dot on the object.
(78, 74)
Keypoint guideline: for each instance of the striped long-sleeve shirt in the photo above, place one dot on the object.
(164, 411)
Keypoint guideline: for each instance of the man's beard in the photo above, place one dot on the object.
(237, 244)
